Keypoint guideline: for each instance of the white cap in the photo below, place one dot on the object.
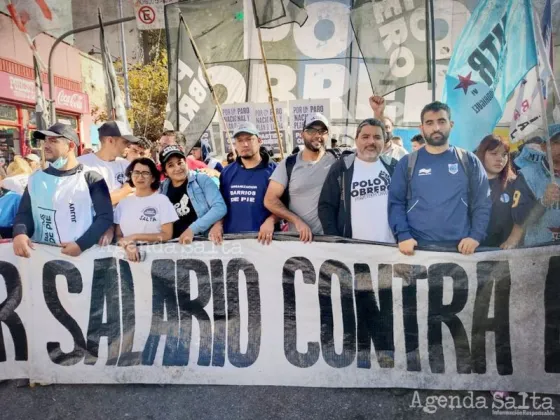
(32, 157)
(316, 117)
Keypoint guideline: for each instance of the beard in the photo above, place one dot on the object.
(309, 145)
(439, 141)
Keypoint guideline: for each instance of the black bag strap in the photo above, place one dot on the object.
(412, 158)
(290, 163)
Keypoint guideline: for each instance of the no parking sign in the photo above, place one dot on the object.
(150, 13)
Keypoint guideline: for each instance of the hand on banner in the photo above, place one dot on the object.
(551, 195)
(377, 104)
(71, 249)
(107, 237)
(407, 247)
(467, 246)
(216, 234)
(305, 234)
(186, 237)
(22, 246)
(266, 231)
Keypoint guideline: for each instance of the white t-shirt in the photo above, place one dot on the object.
(369, 195)
(16, 183)
(137, 215)
(113, 172)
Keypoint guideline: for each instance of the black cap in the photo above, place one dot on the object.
(169, 151)
(117, 129)
(58, 130)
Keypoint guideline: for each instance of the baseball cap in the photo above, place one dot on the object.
(246, 127)
(58, 130)
(117, 129)
(169, 151)
(32, 157)
(314, 118)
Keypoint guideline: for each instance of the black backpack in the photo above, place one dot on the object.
(291, 162)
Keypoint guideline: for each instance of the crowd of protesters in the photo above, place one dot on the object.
(437, 195)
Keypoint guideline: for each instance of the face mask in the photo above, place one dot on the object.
(59, 163)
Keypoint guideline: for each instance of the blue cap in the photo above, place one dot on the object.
(246, 127)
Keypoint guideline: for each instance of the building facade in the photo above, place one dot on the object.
(71, 94)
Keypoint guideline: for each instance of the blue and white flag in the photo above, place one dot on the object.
(494, 52)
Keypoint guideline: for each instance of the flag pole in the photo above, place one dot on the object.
(540, 47)
(270, 98)
(433, 48)
(209, 83)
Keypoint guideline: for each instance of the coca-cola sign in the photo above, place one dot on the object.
(70, 100)
(23, 90)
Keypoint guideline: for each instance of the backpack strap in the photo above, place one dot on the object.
(412, 158)
(290, 163)
(463, 158)
(390, 166)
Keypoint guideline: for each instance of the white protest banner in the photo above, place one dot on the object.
(234, 115)
(299, 110)
(265, 124)
(324, 315)
(150, 14)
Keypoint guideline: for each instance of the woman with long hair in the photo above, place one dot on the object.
(493, 152)
(147, 216)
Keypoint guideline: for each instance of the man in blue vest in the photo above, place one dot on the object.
(439, 194)
(66, 204)
(243, 185)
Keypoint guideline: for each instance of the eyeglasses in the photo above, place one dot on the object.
(315, 131)
(143, 174)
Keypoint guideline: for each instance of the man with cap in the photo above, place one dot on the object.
(243, 185)
(201, 152)
(295, 185)
(64, 204)
(115, 137)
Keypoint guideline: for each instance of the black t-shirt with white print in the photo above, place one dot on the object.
(183, 206)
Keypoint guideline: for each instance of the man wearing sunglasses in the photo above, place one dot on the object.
(295, 186)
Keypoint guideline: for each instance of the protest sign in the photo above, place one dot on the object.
(325, 315)
(265, 124)
(299, 110)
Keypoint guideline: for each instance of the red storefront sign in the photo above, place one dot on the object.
(19, 89)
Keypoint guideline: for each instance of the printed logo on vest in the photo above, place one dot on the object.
(453, 168)
(48, 229)
(425, 171)
(149, 214)
(555, 233)
(504, 198)
(72, 212)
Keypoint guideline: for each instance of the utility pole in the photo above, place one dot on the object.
(123, 57)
